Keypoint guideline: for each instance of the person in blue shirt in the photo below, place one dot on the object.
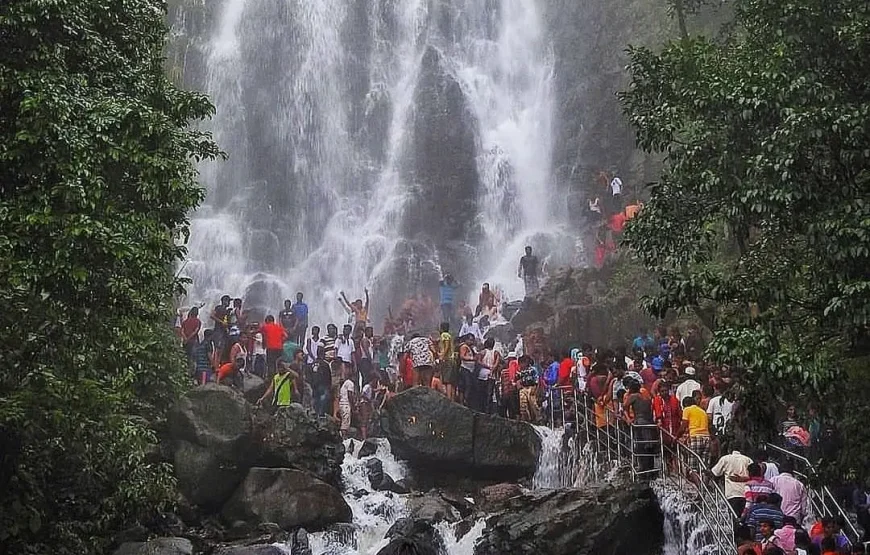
(447, 293)
(300, 311)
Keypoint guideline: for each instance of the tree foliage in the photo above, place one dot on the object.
(96, 181)
(763, 208)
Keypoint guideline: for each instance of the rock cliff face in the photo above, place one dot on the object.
(231, 457)
(624, 520)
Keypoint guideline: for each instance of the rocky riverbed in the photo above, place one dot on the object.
(443, 480)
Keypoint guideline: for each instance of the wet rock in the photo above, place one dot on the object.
(445, 165)
(158, 546)
(496, 494)
(299, 544)
(215, 417)
(205, 478)
(369, 448)
(458, 502)
(571, 309)
(290, 498)
(253, 387)
(431, 507)
(415, 536)
(617, 520)
(296, 438)
(375, 472)
(440, 436)
(262, 549)
(403, 485)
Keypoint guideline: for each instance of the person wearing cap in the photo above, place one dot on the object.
(689, 385)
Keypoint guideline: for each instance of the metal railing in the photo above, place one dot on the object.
(649, 453)
(820, 501)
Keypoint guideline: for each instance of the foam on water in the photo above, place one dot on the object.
(373, 511)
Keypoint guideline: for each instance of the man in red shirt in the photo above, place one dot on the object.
(273, 339)
(565, 368)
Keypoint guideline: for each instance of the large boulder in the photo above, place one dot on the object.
(203, 477)
(216, 417)
(431, 432)
(295, 438)
(617, 520)
(290, 498)
(431, 507)
(216, 436)
(409, 535)
(157, 546)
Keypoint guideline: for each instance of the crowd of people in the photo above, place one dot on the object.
(658, 379)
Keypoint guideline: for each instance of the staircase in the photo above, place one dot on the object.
(648, 453)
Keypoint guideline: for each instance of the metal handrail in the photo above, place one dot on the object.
(618, 439)
(824, 495)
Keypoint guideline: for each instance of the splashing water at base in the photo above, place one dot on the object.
(685, 531)
(374, 512)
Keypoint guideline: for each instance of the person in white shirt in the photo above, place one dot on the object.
(346, 400)
(689, 385)
(471, 327)
(258, 356)
(616, 186)
(735, 469)
(719, 410)
(312, 344)
(344, 347)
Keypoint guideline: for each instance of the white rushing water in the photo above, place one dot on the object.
(315, 102)
(374, 511)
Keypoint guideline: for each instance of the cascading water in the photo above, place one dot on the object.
(375, 511)
(551, 470)
(370, 144)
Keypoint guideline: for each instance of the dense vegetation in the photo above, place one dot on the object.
(763, 208)
(96, 181)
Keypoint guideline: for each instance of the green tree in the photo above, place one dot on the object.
(763, 208)
(96, 181)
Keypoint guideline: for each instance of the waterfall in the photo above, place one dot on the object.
(685, 531)
(550, 471)
(372, 144)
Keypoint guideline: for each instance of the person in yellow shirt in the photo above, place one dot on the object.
(696, 426)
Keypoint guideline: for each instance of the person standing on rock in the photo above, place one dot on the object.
(282, 386)
(344, 348)
(467, 368)
(346, 401)
(528, 383)
(300, 311)
(447, 295)
(529, 271)
(423, 359)
(446, 361)
(273, 336)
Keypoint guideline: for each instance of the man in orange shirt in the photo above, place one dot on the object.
(273, 339)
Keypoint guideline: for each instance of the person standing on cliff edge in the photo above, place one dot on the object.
(529, 271)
